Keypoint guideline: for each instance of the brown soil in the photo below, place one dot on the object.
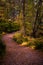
(19, 55)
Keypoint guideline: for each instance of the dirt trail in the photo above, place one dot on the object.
(17, 55)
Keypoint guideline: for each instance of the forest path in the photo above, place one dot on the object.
(19, 55)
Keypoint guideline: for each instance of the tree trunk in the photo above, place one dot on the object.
(23, 6)
(38, 19)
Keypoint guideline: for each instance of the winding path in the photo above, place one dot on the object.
(18, 55)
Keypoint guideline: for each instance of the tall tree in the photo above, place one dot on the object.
(23, 11)
(38, 18)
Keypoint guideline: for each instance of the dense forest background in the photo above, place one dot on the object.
(25, 18)
(26, 13)
(21, 32)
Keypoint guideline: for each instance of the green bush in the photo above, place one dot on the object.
(30, 44)
(35, 45)
(25, 39)
(6, 26)
(19, 38)
(19, 41)
(38, 45)
(2, 48)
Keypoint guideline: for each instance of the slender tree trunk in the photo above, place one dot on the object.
(38, 19)
(24, 28)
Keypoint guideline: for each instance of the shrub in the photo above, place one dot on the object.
(2, 48)
(19, 38)
(16, 26)
(19, 41)
(25, 39)
(24, 44)
(30, 44)
(38, 45)
(6, 26)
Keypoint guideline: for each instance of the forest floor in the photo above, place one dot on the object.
(20, 55)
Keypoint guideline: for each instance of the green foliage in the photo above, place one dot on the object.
(2, 48)
(6, 26)
(28, 29)
(30, 44)
(38, 45)
(33, 43)
(19, 38)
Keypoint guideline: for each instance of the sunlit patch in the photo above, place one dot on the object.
(24, 44)
(33, 47)
(3, 33)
